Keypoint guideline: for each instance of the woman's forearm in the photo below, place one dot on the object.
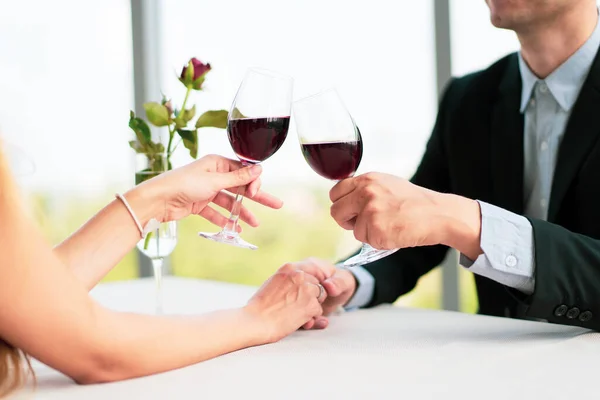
(52, 318)
(93, 250)
(133, 345)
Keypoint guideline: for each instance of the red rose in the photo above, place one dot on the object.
(196, 78)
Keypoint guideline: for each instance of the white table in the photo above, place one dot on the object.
(386, 352)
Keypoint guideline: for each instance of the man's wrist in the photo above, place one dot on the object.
(362, 292)
(460, 222)
(346, 270)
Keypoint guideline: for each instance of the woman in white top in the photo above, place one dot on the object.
(46, 312)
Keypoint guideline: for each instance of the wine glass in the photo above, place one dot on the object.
(161, 242)
(332, 145)
(157, 245)
(257, 127)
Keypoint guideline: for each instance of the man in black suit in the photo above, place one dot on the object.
(510, 178)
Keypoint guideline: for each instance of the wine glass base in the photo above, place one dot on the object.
(230, 238)
(366, 257)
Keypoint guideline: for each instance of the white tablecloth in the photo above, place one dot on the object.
(386, 352)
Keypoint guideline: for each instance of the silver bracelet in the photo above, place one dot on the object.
(152, 225)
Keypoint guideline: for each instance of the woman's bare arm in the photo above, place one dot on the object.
(46, 312)
(104, 240)
(92, 251)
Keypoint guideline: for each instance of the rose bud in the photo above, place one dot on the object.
(169, 106)
(193, 73)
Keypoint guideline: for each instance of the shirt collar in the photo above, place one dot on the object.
(566, 81)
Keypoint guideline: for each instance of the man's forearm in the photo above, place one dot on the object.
(93, 250)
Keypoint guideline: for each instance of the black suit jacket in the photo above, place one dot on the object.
(476, 150)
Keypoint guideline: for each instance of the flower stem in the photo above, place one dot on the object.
(175, 147)
(185, 99)
(171, 134)
(172, 129)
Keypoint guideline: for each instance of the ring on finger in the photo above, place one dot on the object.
(321, 291)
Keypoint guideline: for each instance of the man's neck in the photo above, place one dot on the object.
(546, 47)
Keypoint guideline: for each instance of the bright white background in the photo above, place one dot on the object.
(66, 77)
(379, 56)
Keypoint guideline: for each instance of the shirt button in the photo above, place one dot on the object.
(544, 146)
(543, 87)
(511, 261)
(543, 203)
(532, 102)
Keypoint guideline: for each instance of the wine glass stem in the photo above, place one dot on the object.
(157, 264)
(231, 226)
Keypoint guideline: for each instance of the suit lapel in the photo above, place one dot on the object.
(506, 140)
(580, 136)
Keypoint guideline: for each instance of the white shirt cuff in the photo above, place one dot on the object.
(364, 292)
(508, 249)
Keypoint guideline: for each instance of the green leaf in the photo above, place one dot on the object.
(158, 148)
(140, 128)
(144, 143)
(197, 84)
(134, 144)
(187, 115)
(183, 117)
(179, 122)
(190, 140)
(157, 114)
(236, 114)
(215, 119)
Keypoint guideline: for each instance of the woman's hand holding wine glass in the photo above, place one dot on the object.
(190, 189)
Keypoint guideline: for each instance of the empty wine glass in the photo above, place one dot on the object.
(161, 242)
(157, 245)
(332, 145)
(257, 126)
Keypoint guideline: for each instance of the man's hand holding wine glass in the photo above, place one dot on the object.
(390, 212)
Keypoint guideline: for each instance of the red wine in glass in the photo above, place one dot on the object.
(332, 145)
(333, 160)
(257, 127)
(255, 139)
